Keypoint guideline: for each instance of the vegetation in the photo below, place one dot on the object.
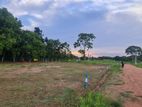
(97, 100)
(113, 66)
(23, 45)
(84, 41)
(138, 65)
(134, 51)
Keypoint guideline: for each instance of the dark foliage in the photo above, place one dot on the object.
(23, 45)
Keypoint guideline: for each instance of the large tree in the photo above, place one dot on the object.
(85, 42)
(31, 46)
(134, 51)
(9, 29)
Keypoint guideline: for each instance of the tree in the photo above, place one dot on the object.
(9, 28)
(38, 31)
(65, 50)
(84, 41)
(56, 50)
(31, 46)
(134, 51)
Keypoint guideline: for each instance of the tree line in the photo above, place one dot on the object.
(134, 55)
(17, 44)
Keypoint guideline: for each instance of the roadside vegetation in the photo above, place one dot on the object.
(98, 100)
(112, 65)
(138, 65)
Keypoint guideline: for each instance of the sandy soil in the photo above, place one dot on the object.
(132, 85)
(132, 77)
(128, 86)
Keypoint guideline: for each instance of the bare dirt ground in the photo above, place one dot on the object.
(130, 87)
(132, 77)
(44, 84)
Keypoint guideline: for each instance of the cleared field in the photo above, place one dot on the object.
(45, 84)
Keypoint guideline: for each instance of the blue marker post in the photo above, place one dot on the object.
(86, 80)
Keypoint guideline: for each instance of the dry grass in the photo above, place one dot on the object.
(42, 84)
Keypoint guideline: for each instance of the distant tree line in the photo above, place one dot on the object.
(116, 58)
(134, 52)
(17, 44)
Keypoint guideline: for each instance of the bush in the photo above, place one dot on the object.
(97, 100)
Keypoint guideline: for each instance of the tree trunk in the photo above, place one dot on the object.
(84, 56)
(135, 59)
(2, 59)
(14, 59)
(30, 59)
(84, 53)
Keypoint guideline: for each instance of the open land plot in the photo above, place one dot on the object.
(44, 84)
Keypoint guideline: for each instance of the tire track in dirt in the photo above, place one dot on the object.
(102, 80)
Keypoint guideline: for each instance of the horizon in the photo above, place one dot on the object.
(116, 24)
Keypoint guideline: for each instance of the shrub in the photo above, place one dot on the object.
(97, 100)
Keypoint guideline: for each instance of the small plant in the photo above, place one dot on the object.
(97, 100)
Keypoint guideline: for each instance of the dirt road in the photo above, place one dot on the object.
(132, 77)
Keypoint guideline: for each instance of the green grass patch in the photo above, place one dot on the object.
(113, 66)
(138, 65)
(98, 100)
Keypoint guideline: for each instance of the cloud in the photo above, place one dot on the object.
(32, 25)
(76, 53)
(105, 51)
(30, 2)
(38, 16)
(110, 51)
(43, 9)
(131, 9)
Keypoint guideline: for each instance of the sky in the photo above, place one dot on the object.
(116, 24)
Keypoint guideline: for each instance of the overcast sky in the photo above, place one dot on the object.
(116, 24)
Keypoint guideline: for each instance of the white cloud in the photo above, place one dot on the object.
(31, 2)
(36, 15)
(31, 26)
(132, 9)
(135, 11)
(42, 9)
(27, 2)
(46, 11)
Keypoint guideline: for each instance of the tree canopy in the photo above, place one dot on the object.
(85, 42)
(134, 51)
(17, 44)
